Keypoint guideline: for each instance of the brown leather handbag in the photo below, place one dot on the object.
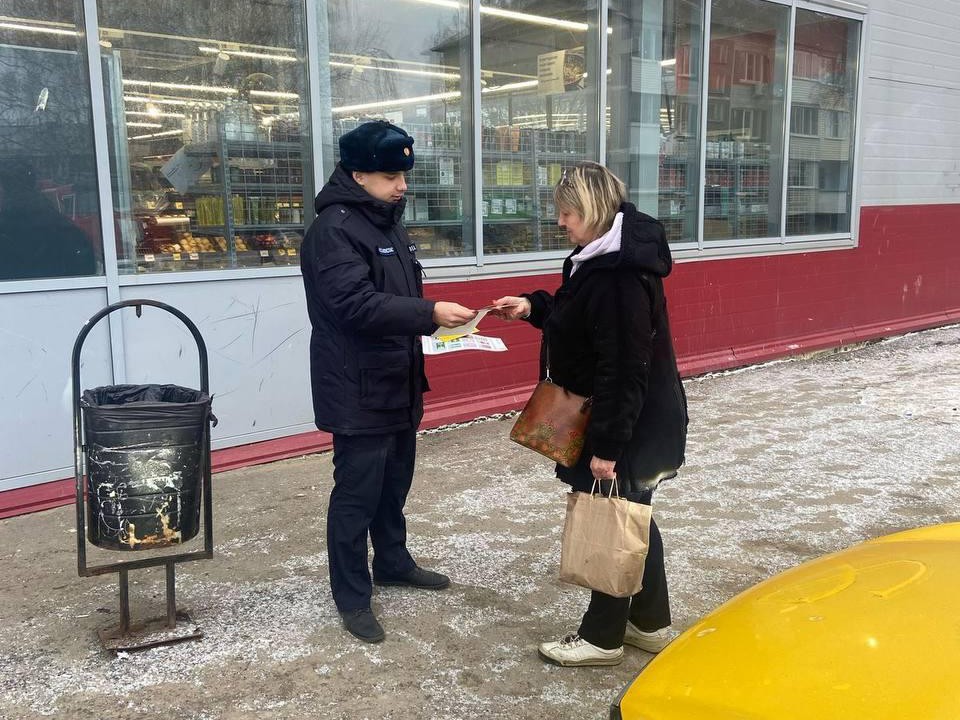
(553, 423)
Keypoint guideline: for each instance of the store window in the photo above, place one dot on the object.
(208, 130)
(744, 154)
(825, 67)
(49, 217)
(407, 62)
(539, 114)
(653, 138)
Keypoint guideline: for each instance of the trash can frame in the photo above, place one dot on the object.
(79, 466)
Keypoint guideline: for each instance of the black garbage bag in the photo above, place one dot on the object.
(146, 452)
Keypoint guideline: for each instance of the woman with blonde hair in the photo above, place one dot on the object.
(606, 335)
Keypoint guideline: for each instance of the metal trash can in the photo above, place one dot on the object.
(141, 458)
(145, 448)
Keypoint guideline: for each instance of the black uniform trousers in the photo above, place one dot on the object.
(372, 475)
(605, 621)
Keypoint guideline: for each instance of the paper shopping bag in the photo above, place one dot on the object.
(605, 543)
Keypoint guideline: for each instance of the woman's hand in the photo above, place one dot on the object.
(602, 469)
(510, 307)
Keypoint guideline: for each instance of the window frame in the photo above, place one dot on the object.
(479, 265)
(810, 117)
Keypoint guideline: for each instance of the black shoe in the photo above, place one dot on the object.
(418, 578)
(362, 624)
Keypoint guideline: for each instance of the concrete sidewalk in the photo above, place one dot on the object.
(786, 461)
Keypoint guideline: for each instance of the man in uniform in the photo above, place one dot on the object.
(364, 291)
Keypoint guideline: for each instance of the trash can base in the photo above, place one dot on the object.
(148, 634)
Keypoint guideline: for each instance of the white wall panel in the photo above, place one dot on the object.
(911, 104)
(37, 332)
(257, 335)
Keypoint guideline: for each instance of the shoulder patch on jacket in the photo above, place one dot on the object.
(412, 247)
(387, 250)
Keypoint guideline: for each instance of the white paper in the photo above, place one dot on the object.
(435, 346)
(465, 329)
(184, 170)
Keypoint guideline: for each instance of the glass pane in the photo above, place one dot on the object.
(823, 104)
(49, 211)
(210, 155)
(406, 62)
(653, 133)
(747, 83)
(539, 114)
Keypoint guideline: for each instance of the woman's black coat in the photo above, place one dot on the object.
(607, 335)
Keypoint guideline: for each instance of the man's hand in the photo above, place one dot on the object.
(511, 308)
(451, 314)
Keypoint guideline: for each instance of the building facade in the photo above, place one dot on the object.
(803, 156)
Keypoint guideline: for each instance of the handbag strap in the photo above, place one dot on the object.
(546, 350)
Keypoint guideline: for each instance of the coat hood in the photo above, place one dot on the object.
(342, 189)
(643, 246)
(643, 242)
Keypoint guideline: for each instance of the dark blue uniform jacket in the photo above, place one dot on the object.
(364, 291)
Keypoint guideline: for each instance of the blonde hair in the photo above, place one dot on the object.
(593, 192)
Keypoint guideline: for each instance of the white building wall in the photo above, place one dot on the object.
(911, 103)
(257, 335)
(37, 332)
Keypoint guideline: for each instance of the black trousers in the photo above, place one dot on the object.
(372, 475)
(605, 620)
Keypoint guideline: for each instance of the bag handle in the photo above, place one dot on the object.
(614, 488)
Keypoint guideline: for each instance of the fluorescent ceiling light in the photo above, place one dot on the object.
(368, 61)
(47, 29)
(144, 125)
(395, 61)
(274, 94)
(170, 101)
(248, 54)
(668, 62)
(181, 86)
(142, 113)
(526, 84)
(512, 15)
(396, 103)
(167, 133)
(402, 71)
(427, 98)
(533, 19)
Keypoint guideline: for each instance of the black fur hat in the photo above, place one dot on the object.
(376, 146)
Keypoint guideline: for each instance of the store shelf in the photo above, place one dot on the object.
(528, 162)
(245, 149)
(298, 227)
(432, 223)
(231, 208)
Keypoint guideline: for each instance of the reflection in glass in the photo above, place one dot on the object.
(823, 103)
(744, 143)
(49, 217)
(208, 131)
(539, 114)
(654, 96)
(405, 62)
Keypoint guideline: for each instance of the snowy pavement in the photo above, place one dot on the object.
(785, 462)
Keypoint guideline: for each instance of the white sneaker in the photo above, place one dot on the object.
(652, 642)
(574, 651)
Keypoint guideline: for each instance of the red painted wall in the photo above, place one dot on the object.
(904, 275)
